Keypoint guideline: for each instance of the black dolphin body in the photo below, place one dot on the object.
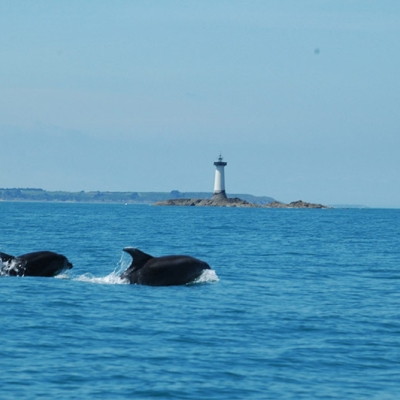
(162, 271)
(39, 263)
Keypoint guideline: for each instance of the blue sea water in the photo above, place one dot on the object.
(301, 304)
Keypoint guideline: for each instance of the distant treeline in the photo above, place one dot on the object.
(33, 194)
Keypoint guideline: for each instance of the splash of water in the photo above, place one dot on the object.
(207, 276)
(111, 279)
(8, 267)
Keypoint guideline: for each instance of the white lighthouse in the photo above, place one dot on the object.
(219, 183)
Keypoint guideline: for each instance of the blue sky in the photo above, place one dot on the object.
(301, 97)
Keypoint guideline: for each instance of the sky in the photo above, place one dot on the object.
(301, 98)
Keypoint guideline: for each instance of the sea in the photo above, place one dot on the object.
(299, 304)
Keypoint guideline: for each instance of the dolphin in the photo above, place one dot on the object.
(162, 271)
(39, 263)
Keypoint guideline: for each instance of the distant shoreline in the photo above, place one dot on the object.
(173, 198)
(41, 195)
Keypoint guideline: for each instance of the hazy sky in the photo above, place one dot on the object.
(301, 97)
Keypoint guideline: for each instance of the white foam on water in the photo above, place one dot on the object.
(207, 276)
(63, 275)
(7, 267)
(111, 279)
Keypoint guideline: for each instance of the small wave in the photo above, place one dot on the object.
(111, 279)
(63, 275)
(207, 276)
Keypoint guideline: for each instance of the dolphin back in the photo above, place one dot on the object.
(162, 271)
(39, 263)
(45, 263)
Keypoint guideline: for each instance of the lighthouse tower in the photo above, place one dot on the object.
(219, 183)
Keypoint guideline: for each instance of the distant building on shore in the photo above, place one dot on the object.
(219, 182)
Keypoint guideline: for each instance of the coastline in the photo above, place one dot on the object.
(173, 198)
(33, 194)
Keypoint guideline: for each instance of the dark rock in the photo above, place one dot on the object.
(294, 204)
(234, 202)
(214, 202)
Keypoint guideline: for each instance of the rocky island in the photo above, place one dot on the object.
(220, 199)
(227, 202)
(294, 204)
(235, 202)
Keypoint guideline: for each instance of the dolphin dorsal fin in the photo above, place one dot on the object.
(139, 257)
